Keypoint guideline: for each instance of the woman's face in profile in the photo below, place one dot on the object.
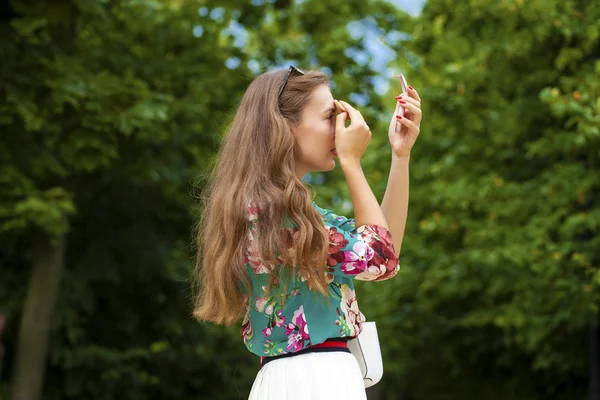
(315, 135)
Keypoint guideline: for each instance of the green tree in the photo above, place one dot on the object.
(499, 284)
(110, 110)
(104, 132)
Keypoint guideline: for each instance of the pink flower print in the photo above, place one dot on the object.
(372, 273)
(335, 259)
(298, 321)
(252, 257)
(368, 233)
(246, 328)
(260, 304)
(356, 260)
(269, 309)
(382, 232)
(349, 306)
(337, 241)
(372, 234)
(280, 320)
(329, 278)
(297, 331)
(387, 258)
(257, 266)
(252, 211)
(267, 331)
(384, 255)
(384, 263)
(295, 342)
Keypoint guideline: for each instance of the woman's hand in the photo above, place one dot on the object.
(408, 122)
(351, 141)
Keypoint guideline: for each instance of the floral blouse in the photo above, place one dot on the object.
(270, 328)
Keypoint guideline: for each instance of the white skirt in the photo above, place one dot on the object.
(310, 376)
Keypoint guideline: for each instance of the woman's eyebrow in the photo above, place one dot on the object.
(329, 110)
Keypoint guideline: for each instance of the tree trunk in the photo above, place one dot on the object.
(36, 319)
(594, 364)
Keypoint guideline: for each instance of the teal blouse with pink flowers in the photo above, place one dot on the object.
(272, 328)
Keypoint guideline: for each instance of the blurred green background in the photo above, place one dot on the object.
(111, 112)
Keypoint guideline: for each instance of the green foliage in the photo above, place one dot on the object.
(500, 262)
(111, 110)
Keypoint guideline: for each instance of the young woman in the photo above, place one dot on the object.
(270, 257)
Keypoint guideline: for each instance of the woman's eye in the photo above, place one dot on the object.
(331, 116)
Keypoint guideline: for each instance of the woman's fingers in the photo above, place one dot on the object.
(408, 99)
(414, 110)
(340, 121)
(338, 106)
(412, 127)
(355, 115)
(413, 93)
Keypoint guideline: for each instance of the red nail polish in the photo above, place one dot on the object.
(410, 87)
(398, 116)
(401, 102)
(398, 97)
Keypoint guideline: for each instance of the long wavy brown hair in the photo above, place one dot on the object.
(256, 161)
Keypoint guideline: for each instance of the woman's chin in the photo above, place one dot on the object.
(332, 163)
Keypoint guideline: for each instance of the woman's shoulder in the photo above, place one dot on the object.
(331, 218)
(322, 210)
(315, 205)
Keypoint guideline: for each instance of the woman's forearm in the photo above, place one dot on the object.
(366, 208)
(395, 200)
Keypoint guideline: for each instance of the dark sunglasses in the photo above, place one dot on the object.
(292, 69)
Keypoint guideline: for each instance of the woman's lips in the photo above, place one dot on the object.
(332, 151)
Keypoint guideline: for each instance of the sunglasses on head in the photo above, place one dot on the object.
(290, 70)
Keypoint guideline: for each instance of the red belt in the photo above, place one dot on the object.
(337, 344)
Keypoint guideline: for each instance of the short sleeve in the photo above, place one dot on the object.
(364, 253)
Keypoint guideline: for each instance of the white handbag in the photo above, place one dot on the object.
(366, 350)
